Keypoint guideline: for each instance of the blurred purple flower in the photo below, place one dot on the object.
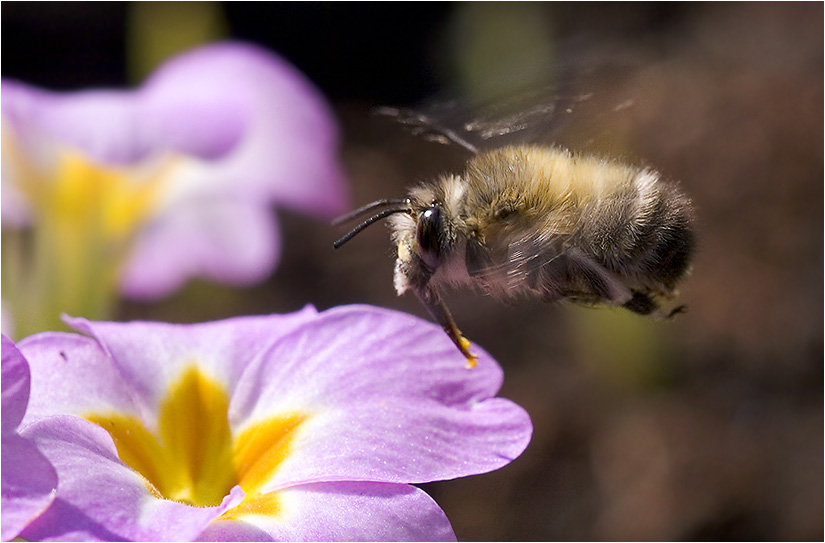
(182, 170)
(29, 481)
(305, 426)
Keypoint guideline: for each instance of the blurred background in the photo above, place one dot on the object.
(707, 427)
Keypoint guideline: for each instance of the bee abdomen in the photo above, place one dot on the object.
(645, 234)
(667, 239)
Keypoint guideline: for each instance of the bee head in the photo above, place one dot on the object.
(421, 238)
(429, 234)
(420, 229)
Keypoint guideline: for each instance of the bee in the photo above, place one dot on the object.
(539, 221)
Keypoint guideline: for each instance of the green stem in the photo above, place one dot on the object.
(54, 268)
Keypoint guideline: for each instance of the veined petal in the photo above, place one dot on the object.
(341, 512)
(16, 381)
(29, 481)
(390, 386)
(114, 503)
(235, 242)
(29, 484)
(152, 356)
(73, 375)
(320, 419)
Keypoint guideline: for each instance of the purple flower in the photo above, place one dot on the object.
(174, 179)
(306, 426)
(29, 480)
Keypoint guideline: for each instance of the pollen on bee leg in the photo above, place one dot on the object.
(464, 345)
(403, 251)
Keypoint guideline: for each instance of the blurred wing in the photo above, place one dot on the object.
(543, 264)
(508, 261)
(587, 93)
(532, 118)
(427, 126)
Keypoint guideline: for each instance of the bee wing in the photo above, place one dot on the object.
(587, 89)
(544, 264)
(427, 126)
(531, 117)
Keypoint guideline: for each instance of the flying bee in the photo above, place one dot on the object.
(542, 222)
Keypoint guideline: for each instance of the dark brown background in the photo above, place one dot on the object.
(706, 427)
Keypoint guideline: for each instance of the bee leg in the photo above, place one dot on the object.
(549, 279)
(641, 303)
(604, 285)
(644, 304)
(439, 312)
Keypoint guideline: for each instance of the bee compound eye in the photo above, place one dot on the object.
(429, 236)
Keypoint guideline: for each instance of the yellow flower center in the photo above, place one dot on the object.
(193, 457)
(117, 199)
(81, 194)
(86, 216)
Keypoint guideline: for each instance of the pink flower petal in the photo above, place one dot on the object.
(343, 512)
(289, 149)
(28, 479)
(29, 484)
(393, 389)
(260, 124)
(16, 381)
(232, 242)
(244, 130)
(150, 356)
(386, 396)
(72, 375)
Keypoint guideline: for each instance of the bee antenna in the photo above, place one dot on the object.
(377, 217)
(363, 210)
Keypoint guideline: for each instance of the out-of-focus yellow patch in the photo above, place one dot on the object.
(118, 199)
(85, 218)
(81, 194)
(193, 456)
